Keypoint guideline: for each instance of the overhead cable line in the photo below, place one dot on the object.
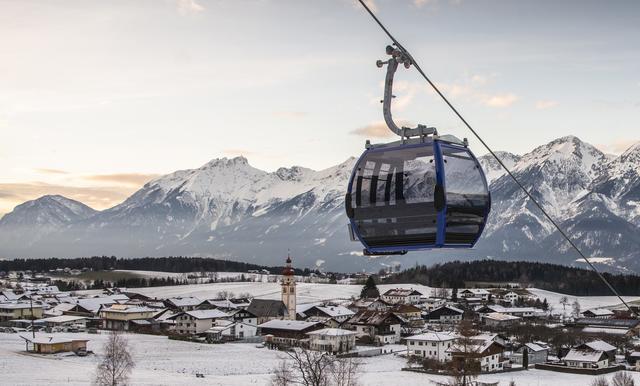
(513, 177)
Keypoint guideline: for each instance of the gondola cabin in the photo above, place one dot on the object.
(404, 197)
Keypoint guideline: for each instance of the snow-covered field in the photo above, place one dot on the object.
(160, 361)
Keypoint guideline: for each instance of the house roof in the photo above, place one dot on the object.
(127, 309)
(206, 314)
(373, 318)
(295, 325)
(401, 292)
(188, 301)
(267, 308)
(476, 291)
(600, 345)
(599, 312)
(63, 319)
(19, 306)
(583, 355)
(534, 347)
(500, 317)
(41, 339)
(335, 311)
(628, 323)
(332, 332)
(433, 337)
(606, 330)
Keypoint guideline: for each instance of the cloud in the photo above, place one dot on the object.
(136, 179)
(186, 7)
(290, 114)
(51, 171)
(618, 146)
(503, 100)
(13, 194)
(378, 129)
(545, 104)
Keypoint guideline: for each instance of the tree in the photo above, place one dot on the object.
(600, 381)
(454, 294)
(545, 304)
(622, 379)
(576, 308)
(564, 301)
(370, 290)
(315, 368)
(117, 362)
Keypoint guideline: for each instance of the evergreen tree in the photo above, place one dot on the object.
(370, 290)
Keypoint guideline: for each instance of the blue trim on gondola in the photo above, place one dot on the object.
(441, 221)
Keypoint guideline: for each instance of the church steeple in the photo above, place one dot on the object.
(289, 289)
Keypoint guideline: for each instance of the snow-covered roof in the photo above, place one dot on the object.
(583, 356)
(18, 306)
(605, 330)
(433, 337)
(599, 312)
(185, 301)
(332, 332)
(534, 347)
(498, 316)
(476, 291)
(63, 319)
(128, 309)
(297, 325)
(401, 292)
(600, 345)
(335, 311)
(53, 339)
(207, 314)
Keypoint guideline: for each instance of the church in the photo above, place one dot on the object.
(289, 290)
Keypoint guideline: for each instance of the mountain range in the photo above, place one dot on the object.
(229, 209)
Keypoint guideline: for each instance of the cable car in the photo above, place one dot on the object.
(421, 192)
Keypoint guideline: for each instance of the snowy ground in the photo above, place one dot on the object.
(160, 361)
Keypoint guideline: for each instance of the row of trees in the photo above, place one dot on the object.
(552, 277)
(165, 264)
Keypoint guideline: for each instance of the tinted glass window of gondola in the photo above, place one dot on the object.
(392, 197)
(467, 196)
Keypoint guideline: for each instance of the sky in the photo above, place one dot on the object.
(97, 97)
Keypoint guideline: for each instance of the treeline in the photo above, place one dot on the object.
(552, 277)
(179, 264)
(134, 282)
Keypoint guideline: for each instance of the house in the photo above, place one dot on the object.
(488, 354)
(535, 354)
(91, 306)
(20, 310)
(338, 313)
(332, 340)
(511, 297)
(522, 312)
(445, 314)
(188, 303)
(119, 316)
(401, 295)
(380, 327)
(407, 311)
(225, 330)
(287, 332)
(197, 321)
(430, 304)
(497, 319)
(65, 321)
(266, 309)
(475, 293)
(58, 309)
(54, 344)
(369, 304)
(593, 355)
(243, 316)
(599, 313)
(611, 326)
(432, 345)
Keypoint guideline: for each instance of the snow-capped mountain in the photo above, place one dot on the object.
(229, 209)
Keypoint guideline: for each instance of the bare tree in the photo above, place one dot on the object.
(282, 375)
(315, 368)
(564, 301)
(117, 362)
(576, 308)
(600, 381)
(622, 379)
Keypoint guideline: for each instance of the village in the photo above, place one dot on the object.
(443, 331)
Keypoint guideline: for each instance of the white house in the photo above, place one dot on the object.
(333, 340)
(401, 295)
(511, 297)
(229, 330)
(478, 293)
(497, 319)
(197, 321)
(489, 354)
(431, 345)
(446, 314)
(596, 354)
(600, 313)
(535, 354)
